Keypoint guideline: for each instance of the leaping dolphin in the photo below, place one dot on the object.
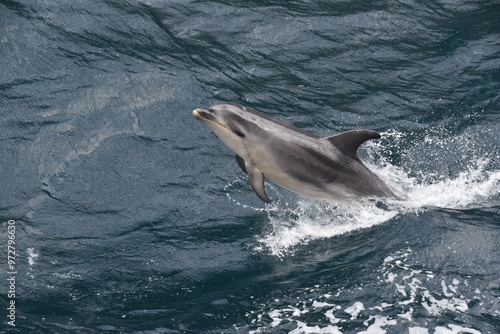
(326, 169)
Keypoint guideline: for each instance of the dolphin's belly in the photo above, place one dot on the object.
(307, 189)
(308, 178)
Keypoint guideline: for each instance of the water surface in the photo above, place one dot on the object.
(132, 217)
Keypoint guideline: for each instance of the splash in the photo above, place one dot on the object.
(298, 223)
(457, 172)
(454, 173)
(475, 187)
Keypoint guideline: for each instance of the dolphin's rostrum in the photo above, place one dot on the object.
(326, 169)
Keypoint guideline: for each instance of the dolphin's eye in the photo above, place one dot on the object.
(239, 133)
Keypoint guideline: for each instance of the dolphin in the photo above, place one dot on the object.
(326, 169)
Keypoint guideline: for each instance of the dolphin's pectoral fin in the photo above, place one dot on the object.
(241, 163)
(256, 179)
(348, 142)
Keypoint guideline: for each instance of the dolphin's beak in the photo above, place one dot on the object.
(196, 113)
(206, 116)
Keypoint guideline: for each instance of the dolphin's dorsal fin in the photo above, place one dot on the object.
(348, 142)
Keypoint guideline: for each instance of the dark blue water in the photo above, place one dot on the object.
(132, 217)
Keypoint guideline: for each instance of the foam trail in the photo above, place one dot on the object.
(473, 188)
(464, 177)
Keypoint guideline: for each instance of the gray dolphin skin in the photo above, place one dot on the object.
(326, 169)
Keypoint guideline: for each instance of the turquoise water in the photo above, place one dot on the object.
(132, 217)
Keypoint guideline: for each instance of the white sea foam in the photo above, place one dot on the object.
(303, 328)
(354, 309)
(471, 188)
(410, 298)
(456, 172)
(32, 256)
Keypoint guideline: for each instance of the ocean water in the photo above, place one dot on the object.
(120, 213)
